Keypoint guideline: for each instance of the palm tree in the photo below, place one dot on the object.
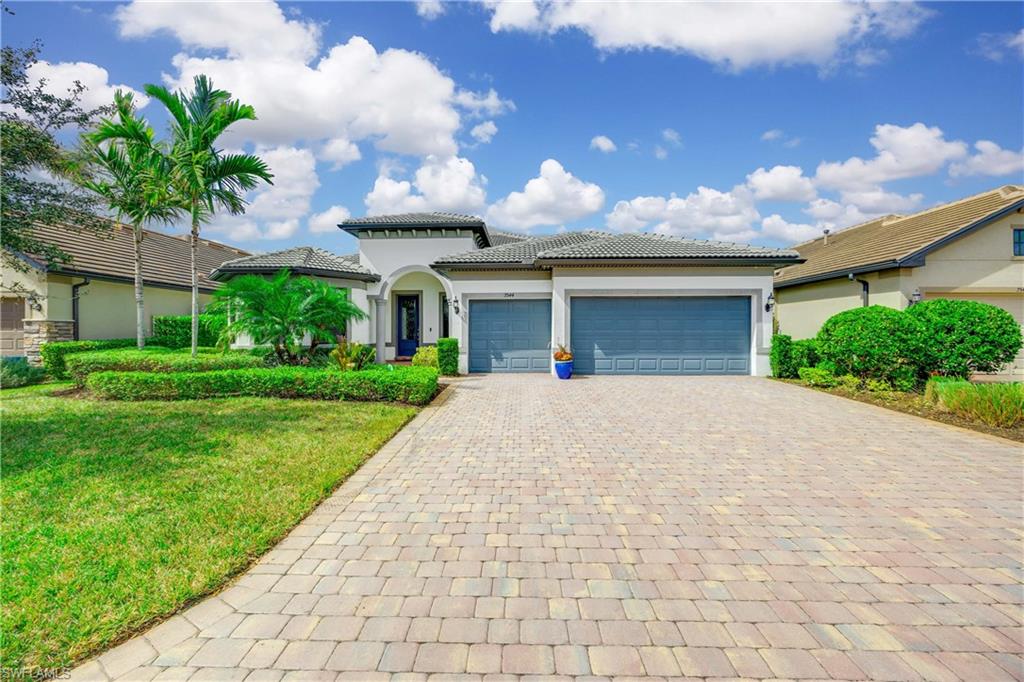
(123, 165)
(205, 178)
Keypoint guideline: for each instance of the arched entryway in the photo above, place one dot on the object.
(413, 309)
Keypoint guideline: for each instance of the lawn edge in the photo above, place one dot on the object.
(388, 447)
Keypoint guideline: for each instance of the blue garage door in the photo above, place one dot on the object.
(677, 335)
(510, 336)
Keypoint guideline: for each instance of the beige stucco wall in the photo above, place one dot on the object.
(106, 310)
(801, 310)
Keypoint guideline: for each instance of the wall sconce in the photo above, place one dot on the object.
(34, 304)
(770, 303)
(455, 305)
(915, 297)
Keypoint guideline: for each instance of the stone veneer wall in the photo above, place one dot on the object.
(38, 332)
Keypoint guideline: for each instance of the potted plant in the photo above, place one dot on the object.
(563, 362)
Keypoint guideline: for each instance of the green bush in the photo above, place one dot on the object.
(878, 386)
(781, 357)
(804, 353)
(15, 372)
(448, 356)
(849, 382)
(351, 356)
(964, 337)
(873, 343)
(426, 356)
(414, 385)
(54, 354)
(175, 331)
(81, 365)
(993, 404)
(817, 376)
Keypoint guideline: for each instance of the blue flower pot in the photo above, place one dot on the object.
(563, 369)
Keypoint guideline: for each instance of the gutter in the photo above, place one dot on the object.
(833, 274)
(865, 288)
(74, 305)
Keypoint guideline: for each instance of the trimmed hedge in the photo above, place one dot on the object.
(413, 385)
(448, 356)
(781, 357)
(874, 342)
(54, 354)
(81, 365)
(175, 331)
(426, 356)
(965, 337)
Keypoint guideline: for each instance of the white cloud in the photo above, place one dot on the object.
(770, 135)
(832, 214)
(340, 152)
(781, 183)
(901, 153)
(327, 222)
(877, 201)
(555, 197)
(736, 36)
(486, 104)
(990, 159)
(672, 137)
(429, 9)
(706, 212)
(777, 227)
(484, 132)
(1000, 46)
(450, 184)
(660, 152)
(603, 143)
(99, 91)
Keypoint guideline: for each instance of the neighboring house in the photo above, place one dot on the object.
(93, 296)
(624, 303)
(968, 249)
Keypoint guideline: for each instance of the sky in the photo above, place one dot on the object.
(759, 123)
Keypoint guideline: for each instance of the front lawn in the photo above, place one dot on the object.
(118, 513)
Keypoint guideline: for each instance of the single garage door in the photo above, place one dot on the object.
(510, 336)
(661, 335)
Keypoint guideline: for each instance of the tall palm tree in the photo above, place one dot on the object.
(205, 178)
(130, 172)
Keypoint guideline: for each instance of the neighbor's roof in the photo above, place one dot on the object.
(301, 260)
(897, 241)
(435, 219)
(604, 247)
(111, 255)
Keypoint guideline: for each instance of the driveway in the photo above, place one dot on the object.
(707, 527)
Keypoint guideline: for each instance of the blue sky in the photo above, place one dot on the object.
(755, 123)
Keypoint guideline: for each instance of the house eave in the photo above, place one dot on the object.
(64, 272)
(220, 275)
(668, 262)
(843, 272)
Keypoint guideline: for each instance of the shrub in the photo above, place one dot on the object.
(414, 385)
(15, 372)
(993, 404)
(872, 343)
(932, 388)
(781, 357)
(817, 376)
(849, 382)
(54, 353)
(804, 353)
(448, 356)
(81, 365)
(878, 386)
(426, 356)
(350, 356)
(175, 331)
(964, 337)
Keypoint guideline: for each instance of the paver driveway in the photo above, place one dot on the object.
(614, 526)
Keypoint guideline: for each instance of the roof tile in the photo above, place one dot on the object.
(301, 259)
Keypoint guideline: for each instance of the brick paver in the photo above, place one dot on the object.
(633, 526)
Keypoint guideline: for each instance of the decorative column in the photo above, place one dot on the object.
(38, 332)
(380, 317)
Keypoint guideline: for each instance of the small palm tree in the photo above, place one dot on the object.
(205, 178)
(130, 172)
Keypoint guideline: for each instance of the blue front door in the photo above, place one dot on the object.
(407, 325)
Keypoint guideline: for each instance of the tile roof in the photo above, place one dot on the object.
(890, 240)
(305, 260)
(604, 246)
(165, 257)
(435, 219)
(499, 238)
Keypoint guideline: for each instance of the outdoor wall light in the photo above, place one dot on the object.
(770, 303)
(34, 304)
(455, 305)
(915, 297)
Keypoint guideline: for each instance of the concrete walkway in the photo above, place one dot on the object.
(705, 527)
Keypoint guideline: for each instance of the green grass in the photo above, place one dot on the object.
(116, 514)
(995, 404)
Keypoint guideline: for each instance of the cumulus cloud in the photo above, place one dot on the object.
(554, 197)
(327, 221)
(484, 104)
(429, 9)
(440, 184)
(340, 152)
(998, 47)
(602, 143)
(989, 159)
(672, 137)
(777, 227)
(736, 36)
(781, 183)
(660, 152)
(902, 152)
(60, 77)
(706, 212)
(484, 132)
(770, 135)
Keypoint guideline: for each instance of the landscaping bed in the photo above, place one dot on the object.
(119, 513)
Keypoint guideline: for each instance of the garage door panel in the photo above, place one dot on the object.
(661, 335)
(509, 336)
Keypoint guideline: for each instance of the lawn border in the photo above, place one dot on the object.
(135, 648)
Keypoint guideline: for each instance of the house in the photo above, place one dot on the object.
(968, 249)
(624, 303)
(93, 296)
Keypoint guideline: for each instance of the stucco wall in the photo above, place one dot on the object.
(801, 310)
(106, 310)
(387, 256)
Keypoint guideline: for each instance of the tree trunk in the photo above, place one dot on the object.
(194, 246)
(140, 308)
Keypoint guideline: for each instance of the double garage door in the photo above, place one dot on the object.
(616, 335)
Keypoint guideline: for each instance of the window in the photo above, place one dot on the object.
(444, 316)
(1018, 241)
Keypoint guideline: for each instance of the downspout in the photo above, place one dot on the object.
(74, 305)
(864, 289)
